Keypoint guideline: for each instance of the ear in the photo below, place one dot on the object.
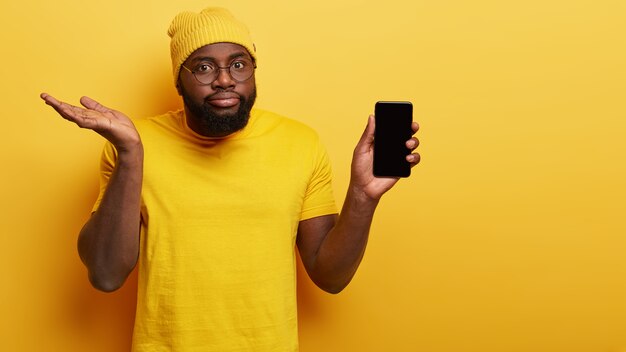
(178, 87)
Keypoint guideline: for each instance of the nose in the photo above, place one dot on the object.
(224, 79)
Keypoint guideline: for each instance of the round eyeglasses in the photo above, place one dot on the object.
(206, 72)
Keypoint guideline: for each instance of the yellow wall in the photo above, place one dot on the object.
(510, 236)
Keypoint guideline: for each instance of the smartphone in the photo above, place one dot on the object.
(393, 128)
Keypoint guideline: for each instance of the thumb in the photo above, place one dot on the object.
(367, 138)
(93, 105)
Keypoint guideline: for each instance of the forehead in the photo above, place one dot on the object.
(219, 52)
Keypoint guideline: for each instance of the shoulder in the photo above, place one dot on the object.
(271, 122)
(170, 119)
(167, 126)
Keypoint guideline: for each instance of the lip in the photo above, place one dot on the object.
(224, 100)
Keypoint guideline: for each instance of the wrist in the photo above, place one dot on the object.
(131, 155)
(360, 200)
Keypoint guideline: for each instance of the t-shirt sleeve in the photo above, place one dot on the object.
(319, 199)
(107, 165)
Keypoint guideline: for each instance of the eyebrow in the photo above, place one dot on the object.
(210, 58)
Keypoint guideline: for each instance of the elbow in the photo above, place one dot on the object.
(105, 285)
(331, 287)
(331, 281)
(106, 282)
(333, 290)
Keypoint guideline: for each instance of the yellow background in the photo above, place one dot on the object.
(510, 235)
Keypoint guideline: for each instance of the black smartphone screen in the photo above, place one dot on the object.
(393, 129)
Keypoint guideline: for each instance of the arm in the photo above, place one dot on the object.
(331, 247)
(108, 243)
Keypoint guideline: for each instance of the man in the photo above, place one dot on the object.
(212, 199)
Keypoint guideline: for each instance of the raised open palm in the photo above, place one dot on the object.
(116, 127)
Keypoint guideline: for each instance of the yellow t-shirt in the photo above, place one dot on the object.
(219, 220)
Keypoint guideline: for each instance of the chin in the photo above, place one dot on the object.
(215, 121)
(231, 110)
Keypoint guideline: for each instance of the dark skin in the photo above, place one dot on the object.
(223, 93)
(331, 246)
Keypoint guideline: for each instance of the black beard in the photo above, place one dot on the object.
(214, 125)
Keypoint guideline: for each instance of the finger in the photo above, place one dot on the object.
(67, 111)
(367, 138)
(415, 126)
(93, 105)
(413, 159)
(412, 143)
(59, 106)
(83, 118)
(50, 100)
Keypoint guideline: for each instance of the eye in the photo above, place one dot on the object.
(238, 65)
(204, 68)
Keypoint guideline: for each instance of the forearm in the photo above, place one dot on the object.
(331, 248)
(341, 251)
(108, 244)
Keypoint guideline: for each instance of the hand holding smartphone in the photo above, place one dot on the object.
(393, 121)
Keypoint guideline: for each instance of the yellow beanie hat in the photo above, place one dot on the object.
(190, 31)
